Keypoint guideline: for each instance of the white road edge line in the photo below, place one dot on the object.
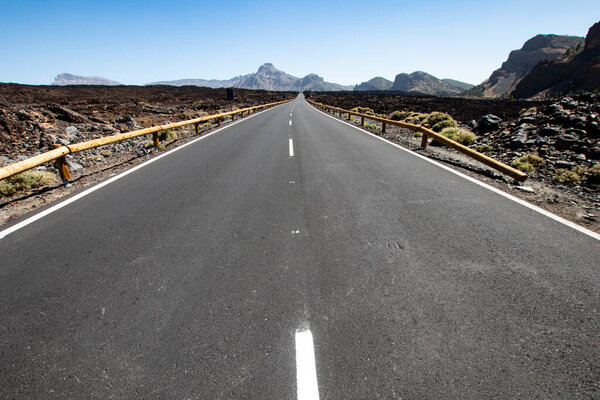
(291, 147)
(306, 369)
(548, 214)
(70, 200)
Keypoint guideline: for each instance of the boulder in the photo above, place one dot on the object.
(72, 132)
(550, 131)
(488, 123)
(566, 141)
(66, 114)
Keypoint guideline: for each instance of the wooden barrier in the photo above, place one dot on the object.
(59, 152)
(428, 133)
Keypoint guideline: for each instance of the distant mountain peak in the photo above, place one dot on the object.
(267, 67)
(267, 77)
(423, 83)
(65, 79)
(374, 84)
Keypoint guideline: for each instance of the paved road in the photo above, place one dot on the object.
(191, 278)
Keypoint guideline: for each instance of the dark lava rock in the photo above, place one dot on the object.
(66, 114)
(550, 131)
(488, 123)
(566, 141)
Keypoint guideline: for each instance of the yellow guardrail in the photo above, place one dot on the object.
(59, 152)
(428, 133)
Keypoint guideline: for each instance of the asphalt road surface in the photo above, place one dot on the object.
(352, 269)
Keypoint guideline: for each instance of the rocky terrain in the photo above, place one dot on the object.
(461, 109)
(69, 79)
(556, 142)
(576, 72)
(32, 118)
(266, 78)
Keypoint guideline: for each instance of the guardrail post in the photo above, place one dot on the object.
(233, 117)
(155, 140)
(424, 137)
(197, 128)
(362, 121)
(219, 121)
(63, 167)
(383, 127)
(349, 115)
(424, 140)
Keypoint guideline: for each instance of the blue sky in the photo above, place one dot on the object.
(136, 42)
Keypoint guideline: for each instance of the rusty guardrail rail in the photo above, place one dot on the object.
(428, 133)
(60, 151)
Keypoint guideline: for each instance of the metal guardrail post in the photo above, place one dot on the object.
(383, 127)
(424, 140)
(197, 128)
(62, 167)
(424, 137)
(362, 121)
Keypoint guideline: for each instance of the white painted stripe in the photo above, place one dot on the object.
(548, 214)
(290, 122)
(306, 369)
(70, 200)
(291, 148)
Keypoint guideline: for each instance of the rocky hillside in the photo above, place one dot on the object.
(520, 62)
(580, 71)
(377, 83)
(266, 78)
(69, 79)
(423, 83)
(458, 84)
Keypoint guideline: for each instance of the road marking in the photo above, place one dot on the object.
(548, 214)
(295, 231)
(70, 200)
(291, 147)
(306, 370)
(290, 122)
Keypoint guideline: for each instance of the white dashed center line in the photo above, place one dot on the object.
(291, 148)
(306, 370)
(290, 122)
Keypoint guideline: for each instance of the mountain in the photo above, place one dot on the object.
(578, 71)
(69, 79)
(377, 83)
(266, 78)
(212, 83)
(458, 84)
(423, 83)
(318, 84)
(520, 62)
